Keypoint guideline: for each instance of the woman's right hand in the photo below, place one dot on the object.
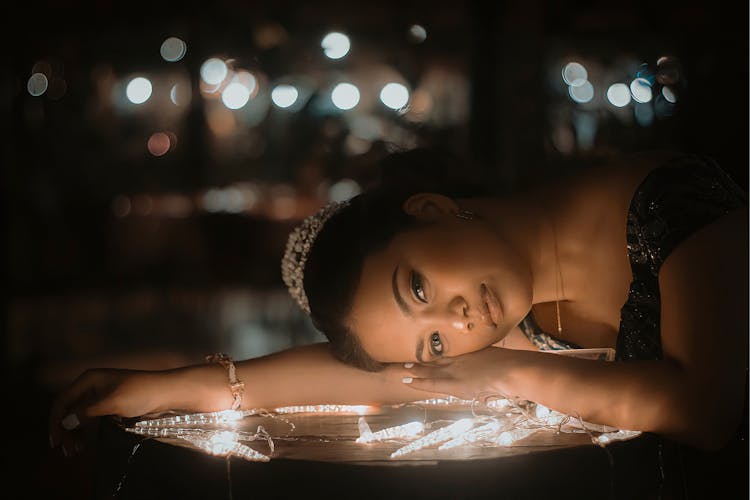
(96, 393)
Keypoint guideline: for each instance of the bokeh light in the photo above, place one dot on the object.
(173, 49)
(618, 94)
(640, 89)
(235, 95)
(394, 95)
(138, 90)
(669, 94)
(343, 190)
(214, 71)
(335, 45)
(581, 93)
(180, 94)
(37, 84)
(574, 74)
(417, 33)
(284, 96)
(345, 96)
(158, 144)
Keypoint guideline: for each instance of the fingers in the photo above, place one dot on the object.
(71, 410)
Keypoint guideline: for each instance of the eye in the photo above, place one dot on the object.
(417, 286)
(436, 344)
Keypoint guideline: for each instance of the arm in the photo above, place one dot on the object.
(301, 375)
(694, 395)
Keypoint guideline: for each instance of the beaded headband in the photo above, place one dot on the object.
(298, 247)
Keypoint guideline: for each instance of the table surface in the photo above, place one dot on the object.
(319, 456)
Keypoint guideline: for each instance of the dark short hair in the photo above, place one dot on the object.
(366, 226)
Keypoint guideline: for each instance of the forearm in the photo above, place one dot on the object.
(301, 375)
(651, 396)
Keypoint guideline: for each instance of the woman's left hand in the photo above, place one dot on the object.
(467, 376)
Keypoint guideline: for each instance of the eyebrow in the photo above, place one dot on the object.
(405, 309)
(397, 295)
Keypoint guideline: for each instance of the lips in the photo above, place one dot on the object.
(491, 306)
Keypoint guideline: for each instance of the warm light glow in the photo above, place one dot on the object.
(335, 45)
(138, 90)
(173, 49)
(394, 95)
(284, 96)
(508, 438)
(405, 431)
(574, 74)
(358, 409)
(37, 84)
(345, 96)
(640, 89)
(618, 94)
(158, 144)
(214, 71)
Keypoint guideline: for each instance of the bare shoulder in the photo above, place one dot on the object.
(619, 176)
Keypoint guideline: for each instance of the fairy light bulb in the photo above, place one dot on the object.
(475, 435)
(405, 431)
(507, 438)
(443, 434)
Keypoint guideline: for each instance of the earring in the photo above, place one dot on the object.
(466, 215)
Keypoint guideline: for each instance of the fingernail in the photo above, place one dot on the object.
(65, 452)
(51, 441)
(407, 380)
(70, 422)
(408, 365)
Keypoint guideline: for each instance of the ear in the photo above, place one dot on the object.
(429, 206)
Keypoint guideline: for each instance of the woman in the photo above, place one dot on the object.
(423, 291)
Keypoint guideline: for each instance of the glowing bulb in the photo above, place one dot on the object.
(507, 438)
(335, 45)
(406, 431)
(441, 435)
(138, 90)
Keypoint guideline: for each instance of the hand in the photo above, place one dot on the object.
(467, 376)
(96, 393)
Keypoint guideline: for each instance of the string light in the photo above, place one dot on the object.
(405, 431)
(504, 422)
(358, 409)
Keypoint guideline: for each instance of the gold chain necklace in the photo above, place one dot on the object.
(558, 282)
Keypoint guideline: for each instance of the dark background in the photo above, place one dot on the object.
(113, 256)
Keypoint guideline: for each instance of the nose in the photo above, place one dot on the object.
(459, 311)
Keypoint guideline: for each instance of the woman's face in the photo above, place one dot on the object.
(445, 289)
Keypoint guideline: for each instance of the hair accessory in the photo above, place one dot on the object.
(235, 385)
(298, 247)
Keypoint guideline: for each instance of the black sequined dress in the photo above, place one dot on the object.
(673, 201)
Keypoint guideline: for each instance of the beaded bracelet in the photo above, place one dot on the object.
(235, 385)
